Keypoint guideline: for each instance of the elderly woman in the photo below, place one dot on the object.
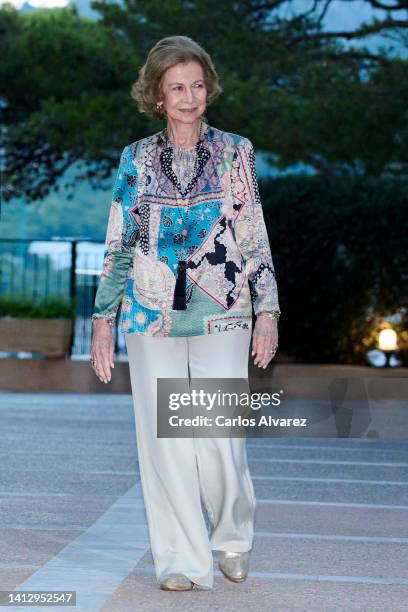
(187, 258)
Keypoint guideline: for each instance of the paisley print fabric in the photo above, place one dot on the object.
(230, 272)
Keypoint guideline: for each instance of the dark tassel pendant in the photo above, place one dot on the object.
(179, 302)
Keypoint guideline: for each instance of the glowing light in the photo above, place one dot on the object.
(387, 340)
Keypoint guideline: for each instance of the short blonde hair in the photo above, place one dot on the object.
(166, 53)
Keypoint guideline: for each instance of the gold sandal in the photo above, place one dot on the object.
(234, 566)
(176, 582)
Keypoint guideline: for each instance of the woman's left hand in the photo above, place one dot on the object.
(265, 340)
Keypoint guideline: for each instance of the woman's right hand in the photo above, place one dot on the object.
(102, 349)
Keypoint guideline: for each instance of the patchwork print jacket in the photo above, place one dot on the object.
(229, 267)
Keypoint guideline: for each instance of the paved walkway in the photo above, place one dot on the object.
(331, 520)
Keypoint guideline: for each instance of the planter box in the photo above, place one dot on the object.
(51, 337)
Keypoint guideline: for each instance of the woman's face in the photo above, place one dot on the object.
(184, 93)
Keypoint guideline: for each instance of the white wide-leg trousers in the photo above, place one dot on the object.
(177, 474)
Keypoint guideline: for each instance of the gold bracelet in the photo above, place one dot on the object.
(270, 315)
(110, 322)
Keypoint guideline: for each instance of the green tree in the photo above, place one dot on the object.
(297, 91)
(65, 99)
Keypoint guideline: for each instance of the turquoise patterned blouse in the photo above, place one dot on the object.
(228, 263)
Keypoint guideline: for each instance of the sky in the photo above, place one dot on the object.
(341, 15)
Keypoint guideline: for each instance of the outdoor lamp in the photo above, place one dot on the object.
(387, 342)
